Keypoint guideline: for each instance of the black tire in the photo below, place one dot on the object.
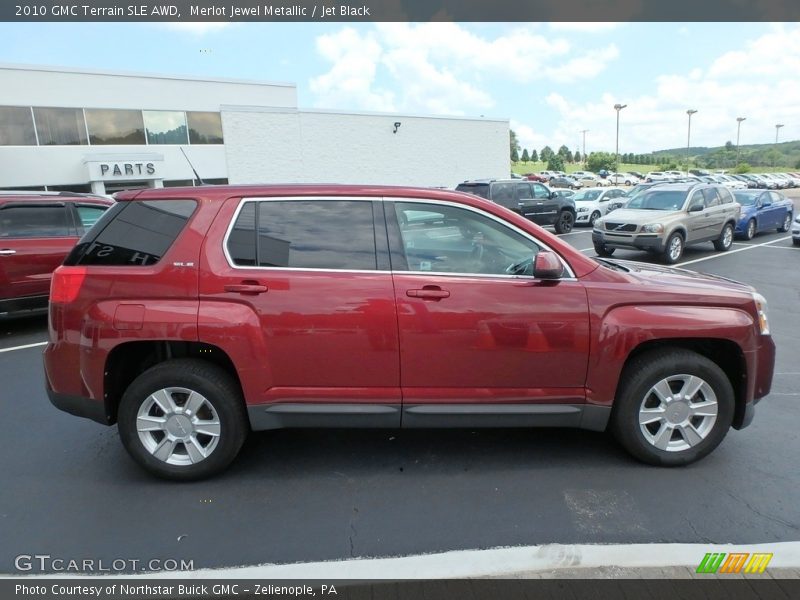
(750, 230)
(208, 380)
(639, 377)
(673, 251)
(593, 217)
(725, 240)
(603, 250)
(787, 223)
(796, 241)
(565, 222)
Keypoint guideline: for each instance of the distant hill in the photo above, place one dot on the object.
(785, 154)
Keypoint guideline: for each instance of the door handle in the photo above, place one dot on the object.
(429, 292)
(246, 287)
(7, 252)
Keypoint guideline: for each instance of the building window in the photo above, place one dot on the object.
(115, 126)
(81, 188)
(165, 127)
(60, 126)
(178, 183)
(16, 126)
(204, 127)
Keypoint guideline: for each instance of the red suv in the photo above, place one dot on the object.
(37, 230)
(191, 316)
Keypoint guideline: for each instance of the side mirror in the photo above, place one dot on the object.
(766, 204)
(696, 208)
(553, 195)
(547, 265)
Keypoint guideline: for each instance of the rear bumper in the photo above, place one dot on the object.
(79, 406)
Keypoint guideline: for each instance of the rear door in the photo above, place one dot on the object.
(313, 275)
(34, 239)
(535, 203)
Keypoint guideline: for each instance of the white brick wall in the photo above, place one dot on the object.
(271, 146)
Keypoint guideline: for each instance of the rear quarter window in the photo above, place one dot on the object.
(133, 233)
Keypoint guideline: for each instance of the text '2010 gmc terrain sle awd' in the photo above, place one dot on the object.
(191, 316)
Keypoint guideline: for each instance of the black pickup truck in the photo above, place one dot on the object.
(534, 201)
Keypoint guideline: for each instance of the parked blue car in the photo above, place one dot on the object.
(762, 210)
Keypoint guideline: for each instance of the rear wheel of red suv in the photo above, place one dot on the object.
(673, 407)
(183, 419)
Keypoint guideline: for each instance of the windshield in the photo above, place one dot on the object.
(658, 200)
(587, 195)
(745, 198)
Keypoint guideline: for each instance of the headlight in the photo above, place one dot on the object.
(761, 308)
(653, 228)
(583, 209)
(797, 219)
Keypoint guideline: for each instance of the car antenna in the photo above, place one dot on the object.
(192, 167)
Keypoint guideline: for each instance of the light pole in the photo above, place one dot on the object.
(617, 107)
(583, 131)
(738, 129)
(777, 128)
(689, 112)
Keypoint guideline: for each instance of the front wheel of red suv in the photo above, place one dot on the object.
(672, 408)
(183, 419)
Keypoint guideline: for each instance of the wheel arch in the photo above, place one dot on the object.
(128, 360)
(726, 354)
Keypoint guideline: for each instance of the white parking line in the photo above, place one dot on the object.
(729, 252)
(575, 233)
(23, 347)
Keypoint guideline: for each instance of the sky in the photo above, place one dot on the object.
(551, 81)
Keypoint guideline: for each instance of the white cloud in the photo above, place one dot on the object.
(441, 67)
(758, 82)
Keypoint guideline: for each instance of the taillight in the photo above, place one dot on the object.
(66, 283)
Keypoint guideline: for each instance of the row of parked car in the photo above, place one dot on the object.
(580, 179)
(659, 217)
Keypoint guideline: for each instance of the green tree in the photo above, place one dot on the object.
(534, 156)
(563, 152)
(514, 145)
(600, 160)
(742, 168)
(545, 154)
(772, 157)
(555, 163)
(525, 156)
(577, 157)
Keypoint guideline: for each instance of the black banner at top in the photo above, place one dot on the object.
(398, 10)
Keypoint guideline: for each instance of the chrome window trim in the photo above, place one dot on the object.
(243, 201)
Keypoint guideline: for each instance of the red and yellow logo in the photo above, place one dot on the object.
(734, 562)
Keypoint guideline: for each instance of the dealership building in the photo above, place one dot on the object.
(82, 130)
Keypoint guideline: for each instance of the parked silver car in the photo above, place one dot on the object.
(667, 217)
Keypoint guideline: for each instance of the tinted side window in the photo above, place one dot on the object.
(242, 239)
(34, 221)
(711, 197)
(523, 191)
(135, 233)
(775, 197)
(316, 234)
(503, 194)
(726, 196)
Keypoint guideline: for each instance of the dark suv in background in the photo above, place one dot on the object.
(37, 230)
(534, 201)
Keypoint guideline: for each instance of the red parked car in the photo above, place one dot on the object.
(37, 231)
(190, 316)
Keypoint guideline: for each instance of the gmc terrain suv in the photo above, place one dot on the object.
(190, 316)
(37, 230)
(667, 217)
(534, 201)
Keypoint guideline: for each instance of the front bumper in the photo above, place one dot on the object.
(761, 382)
(638, 241)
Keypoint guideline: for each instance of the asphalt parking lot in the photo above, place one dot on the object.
(68, 489)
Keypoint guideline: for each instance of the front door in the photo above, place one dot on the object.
(475, 326)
